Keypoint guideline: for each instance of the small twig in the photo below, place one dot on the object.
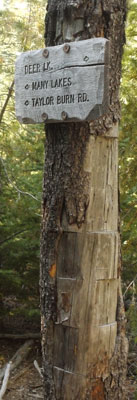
(36, 365)
(130, 284)
(18, 376)
(14, 186)
(6, 101)
(13, 235)
(5, 380)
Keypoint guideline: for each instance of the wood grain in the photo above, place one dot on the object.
(73, 83)
(101, 163)
(86, 330)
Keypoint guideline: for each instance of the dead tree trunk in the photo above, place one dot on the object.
(83, 338)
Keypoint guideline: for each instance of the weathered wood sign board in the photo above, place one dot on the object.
(63, 83)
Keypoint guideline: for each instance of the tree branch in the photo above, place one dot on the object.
(130, 284)
(6, 101)
(36, 365)
(13, 235)
(14, 186)
(5, 380)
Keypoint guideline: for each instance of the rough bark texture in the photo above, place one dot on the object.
(83, 323)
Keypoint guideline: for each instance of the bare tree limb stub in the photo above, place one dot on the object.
(36, 365)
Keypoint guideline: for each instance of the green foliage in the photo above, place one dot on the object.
(128, 179)
(21, 158)
(128, 149)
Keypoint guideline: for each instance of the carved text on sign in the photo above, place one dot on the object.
(73, 80)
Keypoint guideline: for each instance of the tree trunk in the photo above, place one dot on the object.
(83, 323)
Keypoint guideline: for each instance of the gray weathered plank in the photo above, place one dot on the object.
(74, 83)
(86, 52)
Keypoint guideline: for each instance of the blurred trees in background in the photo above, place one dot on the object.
(128, 153)
(21, 161)
(128, 172)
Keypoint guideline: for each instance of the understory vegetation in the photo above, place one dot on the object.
(21, 166)
(128, 169)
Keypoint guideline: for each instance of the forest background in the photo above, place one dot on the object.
(21, 171)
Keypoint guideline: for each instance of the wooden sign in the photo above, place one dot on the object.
(63, 83)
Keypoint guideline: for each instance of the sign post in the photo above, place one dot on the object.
(63, 83)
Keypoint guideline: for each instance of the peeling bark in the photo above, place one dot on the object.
(83, 323)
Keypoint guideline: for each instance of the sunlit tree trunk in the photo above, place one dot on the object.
(83, 323)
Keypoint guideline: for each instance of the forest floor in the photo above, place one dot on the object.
(25, 382)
